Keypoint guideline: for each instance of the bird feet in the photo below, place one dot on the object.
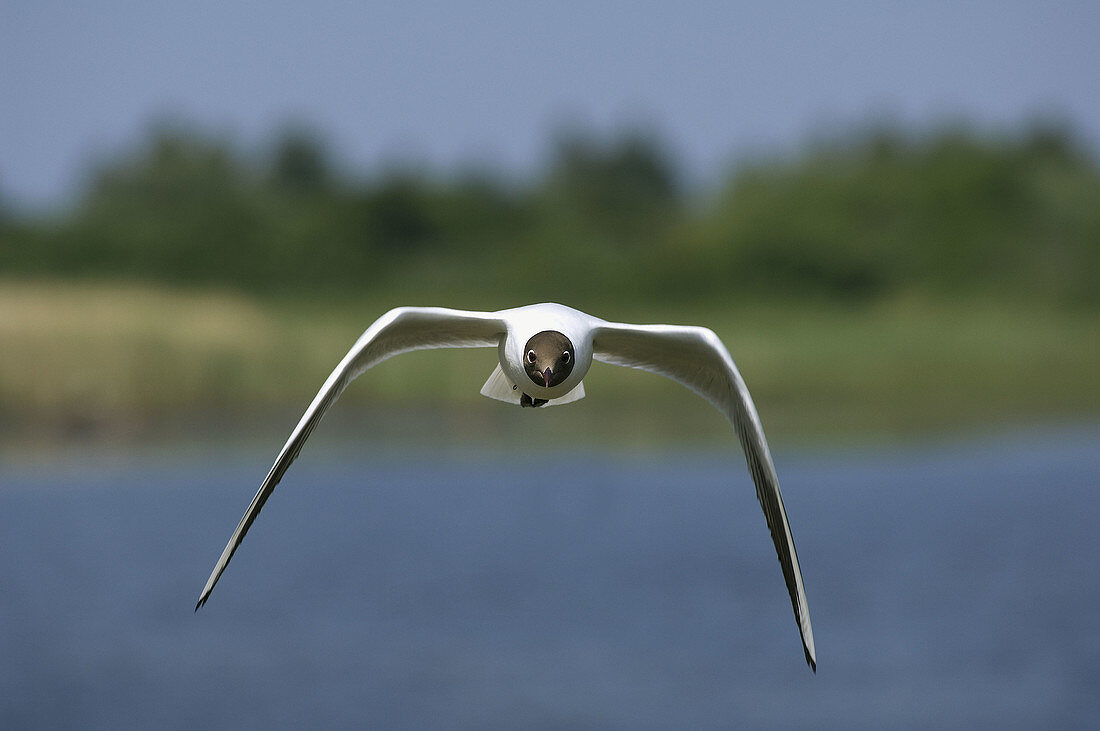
(526, 401)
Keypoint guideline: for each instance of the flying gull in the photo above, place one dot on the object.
(545, 350)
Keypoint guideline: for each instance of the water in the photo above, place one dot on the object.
(948, 585)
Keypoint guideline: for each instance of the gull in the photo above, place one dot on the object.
(545, 351)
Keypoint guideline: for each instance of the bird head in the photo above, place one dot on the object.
(548, 358)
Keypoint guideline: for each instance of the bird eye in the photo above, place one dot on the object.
(531, 357)
(565, 357)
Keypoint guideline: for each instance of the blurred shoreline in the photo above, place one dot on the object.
(108, 363)
(881, 285)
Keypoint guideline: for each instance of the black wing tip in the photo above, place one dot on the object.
(810, 661)
(202, 601)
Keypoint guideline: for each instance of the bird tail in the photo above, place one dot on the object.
(499, 387)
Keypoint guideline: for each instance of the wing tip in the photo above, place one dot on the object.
(810, 660)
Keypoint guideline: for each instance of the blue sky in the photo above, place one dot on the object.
(448, 84)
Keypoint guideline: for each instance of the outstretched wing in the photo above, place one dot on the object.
(696, 358)
(398, 331)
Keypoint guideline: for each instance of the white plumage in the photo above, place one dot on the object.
(693, 356)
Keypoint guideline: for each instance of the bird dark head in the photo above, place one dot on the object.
(548, 358)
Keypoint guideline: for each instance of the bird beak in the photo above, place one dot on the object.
(546, 376)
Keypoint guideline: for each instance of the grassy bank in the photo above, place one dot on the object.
(124, 359)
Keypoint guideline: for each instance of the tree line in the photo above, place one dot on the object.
(879, 212)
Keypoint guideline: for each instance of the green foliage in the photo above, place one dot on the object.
(949, 214)
(623, 193)
(881, 213)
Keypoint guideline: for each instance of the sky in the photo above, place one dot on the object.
(449, 85)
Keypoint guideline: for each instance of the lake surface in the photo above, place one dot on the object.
(954, 584)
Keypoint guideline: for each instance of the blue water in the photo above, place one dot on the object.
(949, 585)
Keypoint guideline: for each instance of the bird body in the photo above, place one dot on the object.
(544, 353)
(524, 323)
